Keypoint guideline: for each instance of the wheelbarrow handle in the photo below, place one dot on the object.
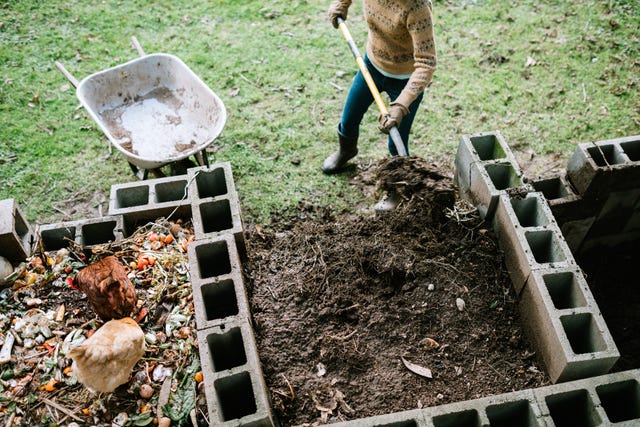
(393, 132)
(67, 74)
(74, 81)
(137, 45)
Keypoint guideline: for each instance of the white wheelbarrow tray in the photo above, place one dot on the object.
(153, 109)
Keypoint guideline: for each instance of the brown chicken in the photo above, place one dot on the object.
(109, 291)
(104, 361)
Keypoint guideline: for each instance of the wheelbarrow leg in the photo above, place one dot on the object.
(141, 174)
(202, 158)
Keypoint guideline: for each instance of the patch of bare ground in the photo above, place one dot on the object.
(353, 311)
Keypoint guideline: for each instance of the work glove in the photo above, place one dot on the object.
(397, 112)
(337, 10)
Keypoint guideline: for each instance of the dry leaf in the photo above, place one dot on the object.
(417, 369)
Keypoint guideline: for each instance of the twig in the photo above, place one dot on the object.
(293, 395)
(273, 294)
(345, 337)
(61, 409)
(10, 420)
(242, 76)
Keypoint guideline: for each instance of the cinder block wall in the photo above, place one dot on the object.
(554, 297)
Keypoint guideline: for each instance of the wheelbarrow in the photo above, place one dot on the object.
(153, 109)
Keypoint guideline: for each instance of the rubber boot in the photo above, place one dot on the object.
(347, 150)
(388, 202)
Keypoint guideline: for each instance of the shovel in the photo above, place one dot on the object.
(393, 132)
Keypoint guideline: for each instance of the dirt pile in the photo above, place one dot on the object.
(352, 311)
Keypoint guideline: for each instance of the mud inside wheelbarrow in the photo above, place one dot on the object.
(153, 109)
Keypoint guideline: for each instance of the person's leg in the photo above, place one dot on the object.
(359, 99)
(356, 105)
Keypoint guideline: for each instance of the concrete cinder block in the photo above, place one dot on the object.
(529, 237)
(596, 168)
(142, 201)
(469, 413)
(58, 235)
(16, 234)
(473, 148)
(485, 167)
(611, 399)
(216, 206)
(211, 181)
(100, 231)
(411, 418)
(509, 409)
(513, 409)
(572, 212)
(562, 318)
(220, 296)
(87, 233)
(606, 400)
(490, 180)
(234, 385)
(213, 257)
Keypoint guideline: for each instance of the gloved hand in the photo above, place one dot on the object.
(337, 10)
(397, 112)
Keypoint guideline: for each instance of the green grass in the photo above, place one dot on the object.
(283, 71)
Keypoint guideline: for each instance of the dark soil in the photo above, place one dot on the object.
(341, 301)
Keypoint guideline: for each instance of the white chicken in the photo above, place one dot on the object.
(104, 361)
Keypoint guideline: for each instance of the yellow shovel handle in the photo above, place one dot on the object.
(393, 132)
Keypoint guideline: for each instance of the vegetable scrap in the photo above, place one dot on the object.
(44, 315)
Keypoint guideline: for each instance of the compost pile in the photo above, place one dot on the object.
(45, 317)
(358, 315)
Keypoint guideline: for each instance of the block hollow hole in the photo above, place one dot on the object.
(20, 226)
(226, 349)
(98, 233)
(57, 238)
(171, 191)
(553, 188)
(469, 418)
(407, 423)
(564, 289)
(235, 396)
(220, 299)
(530, 212)
(621, 400)
(503, 176)
(632, 150)
(213, 259)
(573, 408)
(583, 333)
(132, 196)
(512, 414)
(545, 246)
(211, 183)
(605, 155)
(216, 216)
(488, 147)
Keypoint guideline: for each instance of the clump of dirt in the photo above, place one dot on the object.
(353, 310)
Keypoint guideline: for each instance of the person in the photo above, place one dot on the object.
(401, 58)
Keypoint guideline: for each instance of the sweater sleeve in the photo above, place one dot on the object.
(420, 26)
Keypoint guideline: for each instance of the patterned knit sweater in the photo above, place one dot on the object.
(401, 41)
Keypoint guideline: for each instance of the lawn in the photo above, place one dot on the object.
(548, 75)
